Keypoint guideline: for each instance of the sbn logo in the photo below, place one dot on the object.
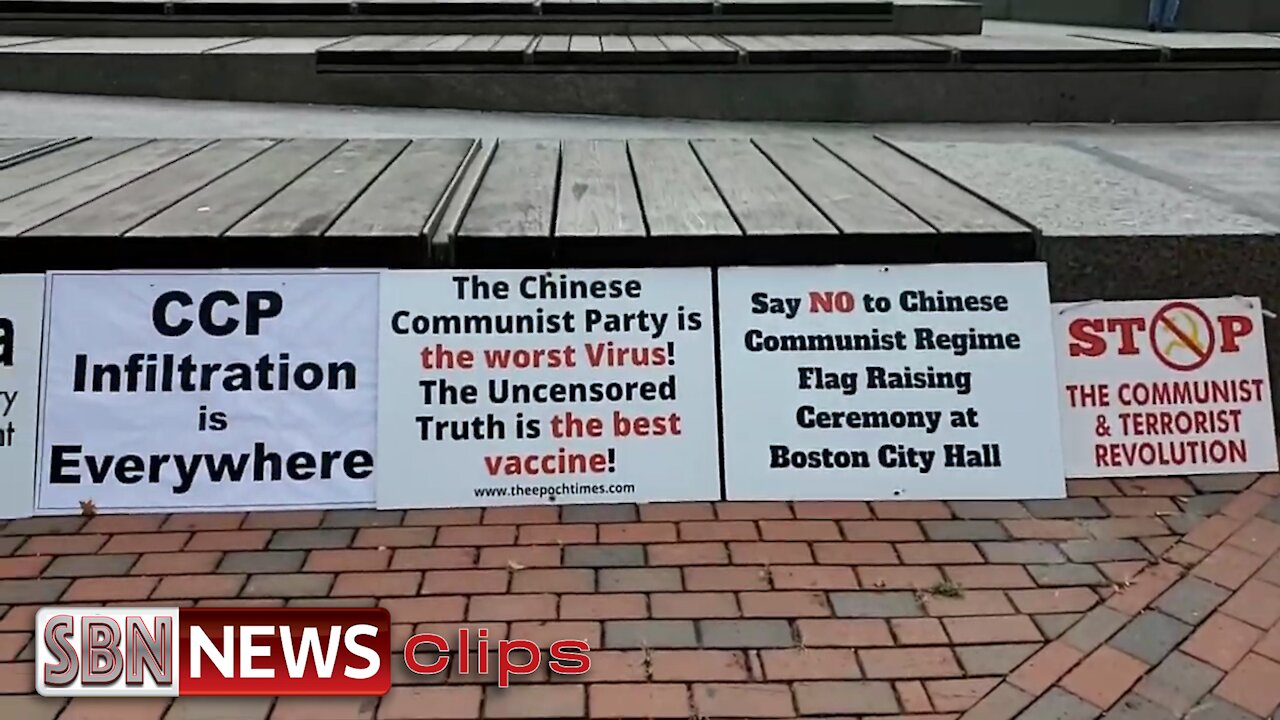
(212, 651)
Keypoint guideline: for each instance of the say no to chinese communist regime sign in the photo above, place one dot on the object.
(1164, 387)
(509, 388)
(875, 383)
(209, 390)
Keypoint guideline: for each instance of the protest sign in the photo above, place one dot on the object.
(209, 391)
(889, 382)
(1164, 387)
(21, 325)
(509, 388)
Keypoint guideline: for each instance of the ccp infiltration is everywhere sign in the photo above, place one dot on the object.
(209, 390)
(889, 382)
(21, 326)
(508, 388)
(1164, 387)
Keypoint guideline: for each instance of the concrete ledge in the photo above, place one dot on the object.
(1165, 92)
(1208, 15)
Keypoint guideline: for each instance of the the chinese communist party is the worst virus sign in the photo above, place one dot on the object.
(1164, 387)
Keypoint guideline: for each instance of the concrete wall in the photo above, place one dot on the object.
(1214, 15)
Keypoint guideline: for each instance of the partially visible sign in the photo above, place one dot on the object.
(209, 391)
(889, 382)
(21, 327)
(1164, 387)
(576, 386)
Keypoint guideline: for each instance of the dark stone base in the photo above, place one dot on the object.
(1159, 268)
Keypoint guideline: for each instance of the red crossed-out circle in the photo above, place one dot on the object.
(1162, 319)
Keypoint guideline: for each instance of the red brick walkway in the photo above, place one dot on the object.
(1142, 599)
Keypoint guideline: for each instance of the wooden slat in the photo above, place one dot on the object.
(946, 207)
(124, 45)
(19, 150)
(480, 50)
(399, 202)
(479, 43)
(699, 48)
(380, 43)
(584, 44)
(597, 191)
(448, 43)
(275, 46)
(210, 211)
(648, 44)
(120, 210)
(39, 205)
(753, 43)
(710, 43)
(518, 192)
(677, 196)
(12, 40)
(310, 204)
(865, 48)
(10, 147)
(845, 197)
(551, 49)
(762, 198)
(1042, 48)
(617, 44)
(513, 43)
(47, 168)
(679, 43)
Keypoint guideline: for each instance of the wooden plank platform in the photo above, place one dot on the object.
(588, 50)
(175, 203)
(1041, 48)
(491, 17)
(674, 202)
(771, 49)
(467, 50)
(104, 203)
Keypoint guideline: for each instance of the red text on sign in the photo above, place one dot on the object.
(1093, 337)
(826, 301)
(514, 657)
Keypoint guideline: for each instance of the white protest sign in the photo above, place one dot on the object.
(889, 382)
(1164, 387)
(21, 326)
(203, 391)
(580, 386)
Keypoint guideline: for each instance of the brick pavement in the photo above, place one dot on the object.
(1144, 599)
